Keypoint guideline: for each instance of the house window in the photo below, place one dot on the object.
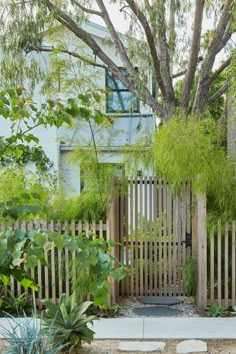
(119, 99)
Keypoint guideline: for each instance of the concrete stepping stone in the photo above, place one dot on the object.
(141, 346)
(157, 311)
(191, 346)
(160, 300)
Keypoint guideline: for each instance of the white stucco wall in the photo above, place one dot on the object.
(51, 137)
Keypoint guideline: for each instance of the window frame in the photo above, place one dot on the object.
(107, 73)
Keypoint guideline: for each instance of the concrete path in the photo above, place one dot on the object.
(158, 328)
(165, 328)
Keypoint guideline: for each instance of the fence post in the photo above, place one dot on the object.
(201, 249)
(113, 219)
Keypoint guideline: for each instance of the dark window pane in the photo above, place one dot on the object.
(122, 101)
(114, 84)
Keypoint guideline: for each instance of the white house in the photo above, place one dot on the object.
(132, 118)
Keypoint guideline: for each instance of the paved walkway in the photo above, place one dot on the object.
(165, 328)
(159, 328)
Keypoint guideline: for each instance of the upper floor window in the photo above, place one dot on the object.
(119, 99)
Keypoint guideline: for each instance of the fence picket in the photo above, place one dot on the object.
(212, 267)
(160, 207)
(169, 238)
(136, 239)
(226, 264)
(155, 236)
(233, 264)
(219, 262)
(150, 240)
(146, 236)
(141, 233)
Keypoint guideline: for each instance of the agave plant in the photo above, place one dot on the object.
(28, 336)
(69, 320)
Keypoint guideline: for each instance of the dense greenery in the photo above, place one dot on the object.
(193, 151)
(94, 265)
(12, 304)
(69, 321)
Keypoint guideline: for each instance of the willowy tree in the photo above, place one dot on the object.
(166, 39)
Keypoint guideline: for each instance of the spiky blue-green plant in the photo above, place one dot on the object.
(28, 336)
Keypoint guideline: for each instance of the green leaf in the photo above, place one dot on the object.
(119, 273)
(85, 99)
(59, 241)
(29, 283)
(99, 117)
(20, 234)
(92, 260)
(97, 97)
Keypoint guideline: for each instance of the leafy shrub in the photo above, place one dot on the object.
(93, 265)
(86, 206)
(190, 276)
(193, 150)
(217, 311)
(104, 311)
(69, 321)
(23, 195)
(14, 304)
(28, 336)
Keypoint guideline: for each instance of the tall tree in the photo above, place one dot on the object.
(165, 37)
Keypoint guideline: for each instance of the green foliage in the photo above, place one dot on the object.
(14, 304)
(108, 311)
(31, 154)
(192, 150)
(21, 250)
(233, 312)
(217, 311)
(23, 194)
(28, 337)
(94, 264)
(69, 321)
(215, 109)
(87, 207)
(190, 279)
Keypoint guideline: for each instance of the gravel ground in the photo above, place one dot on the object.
(127, 305)
(111, 347)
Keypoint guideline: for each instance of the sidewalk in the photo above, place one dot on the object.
(159, 328)
(165, 328)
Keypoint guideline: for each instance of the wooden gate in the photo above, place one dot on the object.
(155, 236)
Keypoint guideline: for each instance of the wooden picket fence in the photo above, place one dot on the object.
(221, 265)
(54, 279)
(154, 229)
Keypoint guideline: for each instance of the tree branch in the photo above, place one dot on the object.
(73, 54)
(89, 11)
(225, 40)
(116, 40)
(223, 66)
(193, 59)
(120, 47)
(221, 33)
(218, 93)
(163, 55)
(172, 34)
(181, 73)
(69, 23)
(151, 42)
